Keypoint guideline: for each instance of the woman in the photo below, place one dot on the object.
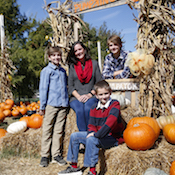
(114, 64)
(83, 74)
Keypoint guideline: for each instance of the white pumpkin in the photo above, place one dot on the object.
(154, 171)
(16, 127)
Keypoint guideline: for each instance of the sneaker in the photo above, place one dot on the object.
(90, 173)
(59, 159)
(44, 162)
(71, 171)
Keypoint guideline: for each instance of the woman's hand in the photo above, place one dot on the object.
(90, 135)
(41, 112)
(117, 72)
(84, 98)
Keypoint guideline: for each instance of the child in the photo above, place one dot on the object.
(114, 64)
(54, 106)
(104, 131)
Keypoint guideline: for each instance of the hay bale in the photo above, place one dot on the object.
(118, 160)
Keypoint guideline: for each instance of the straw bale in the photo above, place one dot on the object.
(118, 160)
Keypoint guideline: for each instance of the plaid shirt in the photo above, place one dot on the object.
(111, 65)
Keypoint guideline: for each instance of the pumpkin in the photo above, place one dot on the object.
(172, 168)
(7, 106)
(2, 105)
(162, 120)
(23, 110)
(7, 112)
(9, 102)
(148, 120)
(2, 116)
(25, 119)
(17, 127)
(15, 112)
(169, 132)
(139, 136)
(2, 132)
(154, 171)
(35, 121)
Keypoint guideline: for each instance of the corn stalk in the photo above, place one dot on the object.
(6, 67)
(155, 34)
(62, 21)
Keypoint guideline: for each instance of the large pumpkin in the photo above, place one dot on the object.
(172, 168)
(139, 136)
(148, 120)
(2, 132)
(169, 132)
(35, 121)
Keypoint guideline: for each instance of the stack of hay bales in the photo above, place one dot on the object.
(118, 160)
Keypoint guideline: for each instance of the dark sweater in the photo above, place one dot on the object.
(108, 121)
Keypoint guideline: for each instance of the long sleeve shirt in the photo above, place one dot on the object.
(112, 64)
(53, 87)
(75, 84)
(106, 121)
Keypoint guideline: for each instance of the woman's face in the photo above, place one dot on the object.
(79, 52)
(114, 48)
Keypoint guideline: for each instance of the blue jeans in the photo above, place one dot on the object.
(82, 111)
(92, 145)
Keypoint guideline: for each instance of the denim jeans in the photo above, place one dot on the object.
(92, 146)
(82, 111)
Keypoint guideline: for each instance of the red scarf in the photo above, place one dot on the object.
(84, 75)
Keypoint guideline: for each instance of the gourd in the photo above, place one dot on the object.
(35, 121)
(154, 171)
(121, 100)
(172, 168)
(139, 136)
(17, 127)
(2, 132)
(169, 132)
(148, 120)
(164, 120)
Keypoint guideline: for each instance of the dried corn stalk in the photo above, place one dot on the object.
(62, 21)
(156, 31)
(6, 67)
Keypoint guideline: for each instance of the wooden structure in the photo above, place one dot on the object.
(129, 88)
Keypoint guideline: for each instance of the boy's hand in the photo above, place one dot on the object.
(90, 135)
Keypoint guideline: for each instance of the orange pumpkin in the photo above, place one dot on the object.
(139, 136)
(9, 102)
(23, 110)
(15, 112)
(35, 121)
(7, 113)
(7, 106)
(148, 120)
(26, 119)
(2, 105)
(2, 116)
(169, 132)
(172, 168)
(2, 132)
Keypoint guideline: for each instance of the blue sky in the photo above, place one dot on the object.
(118, 18)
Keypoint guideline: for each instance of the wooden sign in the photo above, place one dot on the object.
(92, 5)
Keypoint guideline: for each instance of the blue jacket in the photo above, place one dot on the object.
(53, 87)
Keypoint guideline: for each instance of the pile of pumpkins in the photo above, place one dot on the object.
(9, 109)
(142, 132)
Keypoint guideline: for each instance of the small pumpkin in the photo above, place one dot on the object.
(23, 110)
(15, 112)
(148, 120)
(139, 136)
(2, 116)
(10, 102)
(154, 171)
(25, 119)
(2, 132)
(7, 113)
(7, 106)
(35, 121)
(17, 127)
(169, 132)
(172, 168)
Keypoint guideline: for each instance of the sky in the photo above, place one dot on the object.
(119, 19)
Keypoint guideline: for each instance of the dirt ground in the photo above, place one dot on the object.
(27, 166)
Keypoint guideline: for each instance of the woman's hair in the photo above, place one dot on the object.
(102, 84)
(53, 49)
(71, 58)
(114, 39)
